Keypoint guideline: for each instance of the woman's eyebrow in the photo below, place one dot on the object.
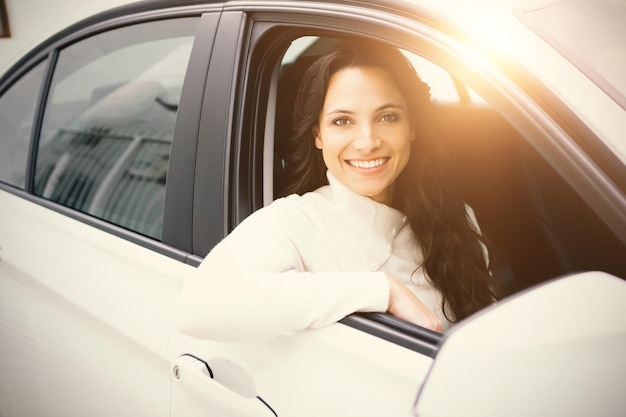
(390, 106)
(338, 111)
(385, 106)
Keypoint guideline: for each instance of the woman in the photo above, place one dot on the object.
(371, 223)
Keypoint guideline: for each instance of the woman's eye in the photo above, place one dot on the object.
(389, 117)
(342, 121)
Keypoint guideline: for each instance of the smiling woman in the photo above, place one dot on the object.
(365, 131)
(418, 183)
(371, 224)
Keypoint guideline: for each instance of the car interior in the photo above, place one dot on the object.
(537, 226)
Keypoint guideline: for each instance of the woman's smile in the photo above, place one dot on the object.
(367, 164)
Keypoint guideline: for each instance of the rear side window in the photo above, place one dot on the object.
(109, 123)
(17, 109)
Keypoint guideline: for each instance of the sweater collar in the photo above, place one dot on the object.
(386, 220)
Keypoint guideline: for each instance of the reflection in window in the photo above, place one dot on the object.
(109, 123)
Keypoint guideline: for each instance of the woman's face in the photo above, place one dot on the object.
(365, 131)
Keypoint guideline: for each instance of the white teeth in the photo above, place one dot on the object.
(367, 164)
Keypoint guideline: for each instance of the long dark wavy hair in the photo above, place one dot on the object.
(452, 251)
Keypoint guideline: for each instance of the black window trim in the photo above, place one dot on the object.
(215, 143)
(397, 331)
(178, 226)
(42, 99)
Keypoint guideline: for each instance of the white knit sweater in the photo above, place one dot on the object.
(303, 262)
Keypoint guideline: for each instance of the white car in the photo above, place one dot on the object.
(133, 141)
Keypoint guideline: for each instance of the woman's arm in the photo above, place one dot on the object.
(252, 284)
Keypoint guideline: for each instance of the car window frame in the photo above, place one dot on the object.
(179, 230)
(212, 180)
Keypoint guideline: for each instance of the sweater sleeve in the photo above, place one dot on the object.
(252, 285)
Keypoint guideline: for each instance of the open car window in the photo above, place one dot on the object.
(538, 225)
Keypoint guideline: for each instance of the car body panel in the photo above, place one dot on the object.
(59, 280)
(318, 372)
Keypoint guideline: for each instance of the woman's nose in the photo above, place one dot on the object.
(367, 139)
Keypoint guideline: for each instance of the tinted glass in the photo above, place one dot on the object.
(109, 123)
(17, 108)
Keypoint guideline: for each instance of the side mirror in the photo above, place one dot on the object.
(558, 349)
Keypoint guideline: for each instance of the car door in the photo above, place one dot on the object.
(89, 264)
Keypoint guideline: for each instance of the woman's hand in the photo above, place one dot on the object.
(405, 305)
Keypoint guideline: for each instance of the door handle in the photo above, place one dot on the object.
(222, 384)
